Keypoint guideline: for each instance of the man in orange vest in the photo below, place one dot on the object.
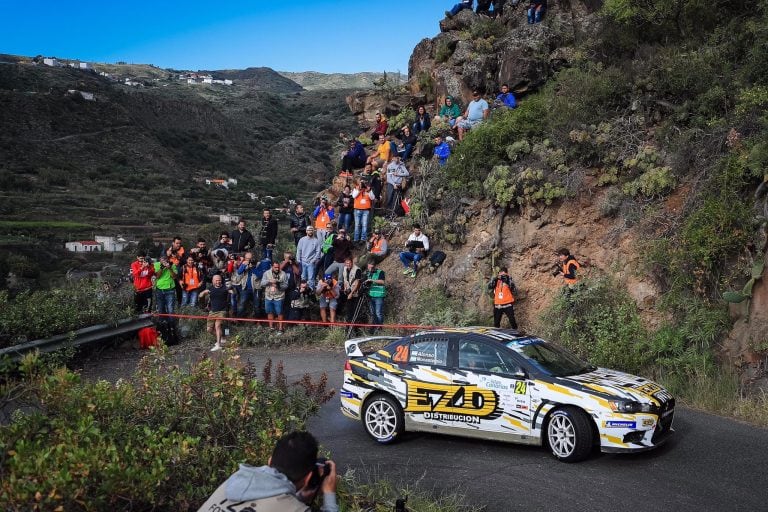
(503, 298)
(568, 266)
(323, 215)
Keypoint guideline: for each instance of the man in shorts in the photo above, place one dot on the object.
(218, 296)
(274, 282)
(328, 294)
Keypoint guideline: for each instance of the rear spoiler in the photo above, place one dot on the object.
(352, 347)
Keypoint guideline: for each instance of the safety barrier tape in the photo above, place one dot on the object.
(300, 322)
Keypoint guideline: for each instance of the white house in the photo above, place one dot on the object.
(112, 244)
(88, 96)
(85, 65)
(227, 82)
(208, 80)
(83, 246)
(228, 218)
(52, 62)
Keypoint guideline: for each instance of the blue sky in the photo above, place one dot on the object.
(320, 35)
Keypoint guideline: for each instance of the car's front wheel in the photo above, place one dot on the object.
(383, 419)
(569, 434)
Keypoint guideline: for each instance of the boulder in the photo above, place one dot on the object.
(462, 21)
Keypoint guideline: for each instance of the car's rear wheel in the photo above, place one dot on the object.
(383, 419)
(569, 434)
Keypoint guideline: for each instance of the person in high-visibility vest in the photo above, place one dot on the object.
(503, 289)
(374, 284)
(568, 266)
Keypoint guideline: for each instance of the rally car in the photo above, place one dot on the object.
(495, 384)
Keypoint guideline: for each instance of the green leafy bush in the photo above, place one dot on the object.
(444, 50)
(164, 441)
(404, 118)
(522, 187)
(653, 183)
(433, 306)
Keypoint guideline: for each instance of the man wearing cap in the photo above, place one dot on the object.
(417, 246)
(308, 254)
(377, 249)
(328, 293)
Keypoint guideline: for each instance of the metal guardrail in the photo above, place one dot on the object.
(85, 336)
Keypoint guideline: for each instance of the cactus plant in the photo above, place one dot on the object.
(735, 297)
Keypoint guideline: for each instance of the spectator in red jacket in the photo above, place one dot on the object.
(142, 272)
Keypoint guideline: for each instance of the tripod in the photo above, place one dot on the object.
(362, 305)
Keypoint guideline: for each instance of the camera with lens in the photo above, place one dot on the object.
(555, 269)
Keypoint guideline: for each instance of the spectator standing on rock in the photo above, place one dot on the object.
(477, 112)
(345, 207)
(363, 202)
(327, 248)
(299, 222)
(380, 130)
(275, 283)
(463, 4)
(397, 175)
(308, 254)
(192, 279)
(219, 298)
(285, 484)
(503, 289)
(536, 10)
(374, 283)
(416, 247)
(505, 99)
(142, 272)
(349, 283)
(408, 141)
(324, 214)
(423, 122)
(450, 111)
(165, 285)
(248, 275)
(568, 266)
(242, 239)
(328, 294)
(268, 234)
(353, 158)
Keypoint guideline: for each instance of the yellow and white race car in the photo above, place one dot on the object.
(495, 384)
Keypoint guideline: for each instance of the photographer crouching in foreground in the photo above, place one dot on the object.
(288, 483)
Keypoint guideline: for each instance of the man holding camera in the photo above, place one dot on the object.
(274, 282)
(342, 250)
(503, 289)
(323, 215)
(363, 198)
(142, 272)
(165, 285)
(249, 278)
(568, 266)
(289, 482)
(328, 293)
(350, 280)
(417, 246)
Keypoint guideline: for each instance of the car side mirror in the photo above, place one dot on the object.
(519, 373)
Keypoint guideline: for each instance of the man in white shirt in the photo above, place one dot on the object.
(417, 246)
(396, 175)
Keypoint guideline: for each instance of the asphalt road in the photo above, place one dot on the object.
(711, 464)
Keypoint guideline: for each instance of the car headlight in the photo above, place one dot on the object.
(629, 406)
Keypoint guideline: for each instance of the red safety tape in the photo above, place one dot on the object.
(300, 322)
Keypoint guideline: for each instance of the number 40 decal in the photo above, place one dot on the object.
(520, 387)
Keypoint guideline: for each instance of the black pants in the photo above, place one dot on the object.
(349, 163)
(509, 311)
(143, 301)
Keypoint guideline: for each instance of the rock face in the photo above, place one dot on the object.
(473, 52)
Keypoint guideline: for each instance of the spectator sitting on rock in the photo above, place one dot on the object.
(408, 141)
(328, 293)
(242, 239)
(381, 127)
(268, 234)
(363, 197)
(423, 122)
(450, 111)
(416, 246)
(382, 155)
(505, 99)
(308, 254)
(299, 222)
(324, 214)
(442, 150)
(397, 174)
(463, 4)
(345, 207)
(342, 250)
(274, 282)
(477, 111)
(376, 247)
(484, 7)
(353, 158)
(536, 10)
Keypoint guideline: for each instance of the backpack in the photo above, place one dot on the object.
(435, 260)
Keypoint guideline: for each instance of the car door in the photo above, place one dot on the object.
(494, 378)
(427, 377)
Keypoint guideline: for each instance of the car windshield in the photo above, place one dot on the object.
(549, 358)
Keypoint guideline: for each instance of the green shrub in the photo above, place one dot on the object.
(653, 183)
(522, 187)
(486, 28)
(444, 50)
(405, 117)
(434, 307)
(164, 441)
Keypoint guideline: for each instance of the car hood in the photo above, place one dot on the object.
(614, 384)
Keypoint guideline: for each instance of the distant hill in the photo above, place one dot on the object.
(258, 78)
(312, 80)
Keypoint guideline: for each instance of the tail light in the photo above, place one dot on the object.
(347, 366)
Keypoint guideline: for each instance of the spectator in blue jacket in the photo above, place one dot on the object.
(505, 99)
(463, 4)
(423, 122)
(442, 150)
(536, 10)
(354, 158)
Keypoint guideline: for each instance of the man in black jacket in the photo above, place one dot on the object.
(299, 222)
(241, 239)
(268, 234)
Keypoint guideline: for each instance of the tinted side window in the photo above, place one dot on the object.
(429, 351)
(479, 356)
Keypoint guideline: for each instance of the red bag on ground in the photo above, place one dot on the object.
(406, 207)
(147, 337)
